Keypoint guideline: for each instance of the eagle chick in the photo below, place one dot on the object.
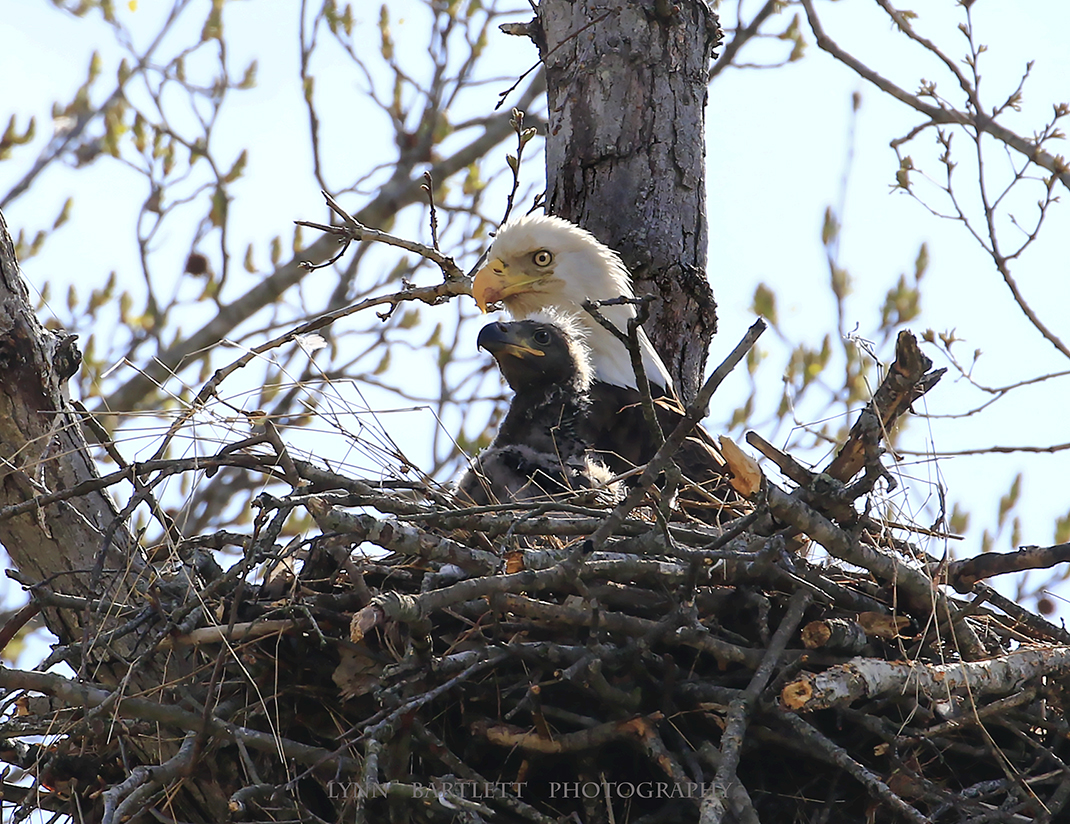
(540, 449)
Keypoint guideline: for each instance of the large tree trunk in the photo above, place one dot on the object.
(625, 152)
(78, 545)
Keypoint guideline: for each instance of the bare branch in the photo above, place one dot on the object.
(965, 573)
(938, 115)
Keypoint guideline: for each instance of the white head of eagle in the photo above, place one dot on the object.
(541, 263)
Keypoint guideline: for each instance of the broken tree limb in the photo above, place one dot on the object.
(835, 635)
(962, 575)
(873, 678)
(909, 377)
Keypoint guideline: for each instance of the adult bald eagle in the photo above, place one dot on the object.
(540, 449)
(540, 262)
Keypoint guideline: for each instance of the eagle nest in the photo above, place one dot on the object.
(405, 660)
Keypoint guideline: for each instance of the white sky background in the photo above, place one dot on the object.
(777, 142)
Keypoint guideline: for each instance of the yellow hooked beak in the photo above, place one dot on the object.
(519, 350)
(496, 281)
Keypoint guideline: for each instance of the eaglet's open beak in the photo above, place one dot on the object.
(497, 280)
(499, 338)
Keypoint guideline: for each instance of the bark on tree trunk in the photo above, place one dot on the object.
(79, 545)
(43, 451)
(625, 152)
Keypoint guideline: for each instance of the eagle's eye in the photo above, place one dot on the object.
(542, 258)
(541, 336)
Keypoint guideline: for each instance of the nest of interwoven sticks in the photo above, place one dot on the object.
(409, 660)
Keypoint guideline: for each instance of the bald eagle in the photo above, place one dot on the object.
(540, 449)
(540, 262)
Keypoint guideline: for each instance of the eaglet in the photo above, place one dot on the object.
(540, 449)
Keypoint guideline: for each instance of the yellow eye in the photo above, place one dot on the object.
(542, 258)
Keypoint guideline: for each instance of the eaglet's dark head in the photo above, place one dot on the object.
(537, 352)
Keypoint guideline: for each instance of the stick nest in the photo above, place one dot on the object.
(409, 661)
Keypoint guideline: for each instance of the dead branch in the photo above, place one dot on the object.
(828, 750)
(915, 586)
(963, 574)
(909, 377)
(715, 802)
(837, 634)
(872, 678)
(82, 695)
(506, 736)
